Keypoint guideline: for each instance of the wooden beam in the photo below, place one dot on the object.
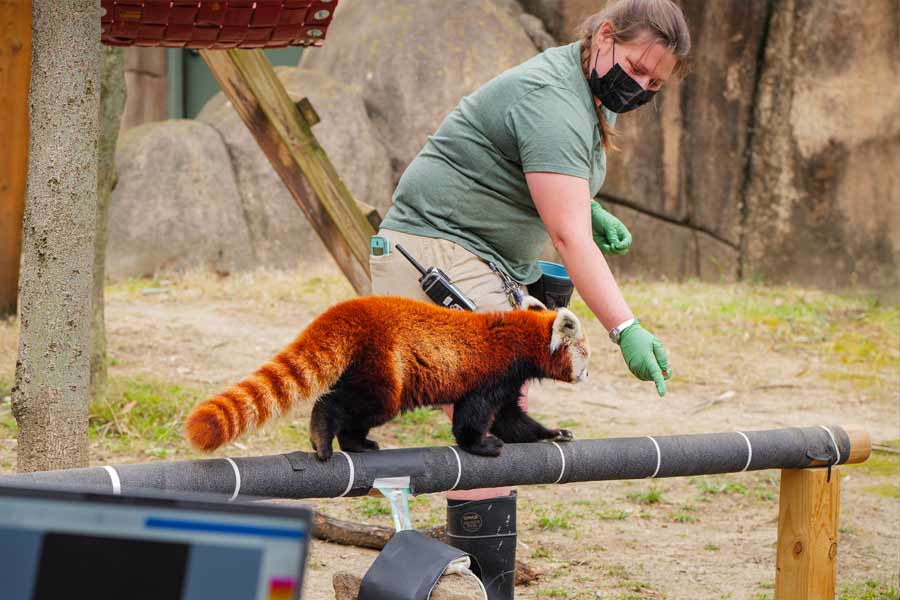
(806, 562)
(15, 73)
(284, 134)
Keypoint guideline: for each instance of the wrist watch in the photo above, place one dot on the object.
(616, 332)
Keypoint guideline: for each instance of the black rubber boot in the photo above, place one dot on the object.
(486, 529)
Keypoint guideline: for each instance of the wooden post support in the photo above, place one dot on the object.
(806, 563)
(285, 135)
(15, 73)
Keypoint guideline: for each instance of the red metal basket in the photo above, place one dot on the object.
(216, 24)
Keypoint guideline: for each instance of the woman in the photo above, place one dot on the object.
(519, 161)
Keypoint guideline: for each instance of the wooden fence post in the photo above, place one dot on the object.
(806, 564)
(15, 73)
(285, 135)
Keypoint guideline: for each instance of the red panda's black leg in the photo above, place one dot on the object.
(513, 425)
(323, 426)
(471, 418)
(355, 414)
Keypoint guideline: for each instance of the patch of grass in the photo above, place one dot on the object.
(869, 590)
(711, 547)
(885, 490)
(541, 552)
(134, 286)
(554, 592)
(651, 496)
(616, 570)
(880, 464)
(570, 423)
(371, 507)
(8, 427)
(764, 494)
(854, 335)
(421, 427)
(142, 408)
(612, 515)
(684, 517)
(713, 486)
(551, 521)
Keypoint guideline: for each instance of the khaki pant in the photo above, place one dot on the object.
(393, 275)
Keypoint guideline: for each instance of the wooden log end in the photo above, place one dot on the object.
(860, 444)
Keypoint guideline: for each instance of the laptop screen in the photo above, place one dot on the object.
(82, 545)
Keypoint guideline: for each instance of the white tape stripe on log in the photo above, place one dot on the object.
(237, 479)
(833, 441)
(458, 467)
(563, 456)
(114, 479)
(352, 474)
(658, 458)
(749, 451)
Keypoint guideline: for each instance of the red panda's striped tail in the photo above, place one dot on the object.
(291, 376)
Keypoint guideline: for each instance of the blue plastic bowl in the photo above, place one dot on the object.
(554, 288)
(553, 269)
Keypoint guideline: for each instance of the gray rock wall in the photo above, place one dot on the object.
(823, 201)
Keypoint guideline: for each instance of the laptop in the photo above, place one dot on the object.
(73, 544)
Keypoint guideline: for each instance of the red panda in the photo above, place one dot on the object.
(366, 360)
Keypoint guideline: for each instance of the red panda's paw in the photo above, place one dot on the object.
(489, 445)
(562, 435)
(324, 453)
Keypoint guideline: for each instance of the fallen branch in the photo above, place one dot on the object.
(351, 533)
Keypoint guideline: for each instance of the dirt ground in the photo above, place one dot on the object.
(744, 358)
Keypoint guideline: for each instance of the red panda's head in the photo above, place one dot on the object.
(569, 340)
(569, 348)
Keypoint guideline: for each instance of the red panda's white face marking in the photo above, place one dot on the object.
(569, 335)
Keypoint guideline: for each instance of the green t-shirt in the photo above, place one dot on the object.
(468, 183)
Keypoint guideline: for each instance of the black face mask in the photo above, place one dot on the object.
(617, 90)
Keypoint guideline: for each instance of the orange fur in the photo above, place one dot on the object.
(404, 354)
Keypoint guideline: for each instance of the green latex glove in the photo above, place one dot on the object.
(610, 234)
(645, 356)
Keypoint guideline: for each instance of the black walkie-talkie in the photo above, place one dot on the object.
(438, 286)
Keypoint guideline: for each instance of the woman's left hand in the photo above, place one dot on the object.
(610, 234)
(645, 356)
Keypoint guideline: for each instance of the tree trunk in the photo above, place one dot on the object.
(112, 103)
(50, 397)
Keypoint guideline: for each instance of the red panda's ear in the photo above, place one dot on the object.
(532, 303)
(566, 328)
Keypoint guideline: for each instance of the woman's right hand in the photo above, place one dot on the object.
(645, 356)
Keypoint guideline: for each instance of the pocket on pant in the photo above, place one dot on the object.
(392, 275)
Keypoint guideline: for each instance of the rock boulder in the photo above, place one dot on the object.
(175, 204)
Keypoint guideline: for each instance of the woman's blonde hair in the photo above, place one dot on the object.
(661, 20)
